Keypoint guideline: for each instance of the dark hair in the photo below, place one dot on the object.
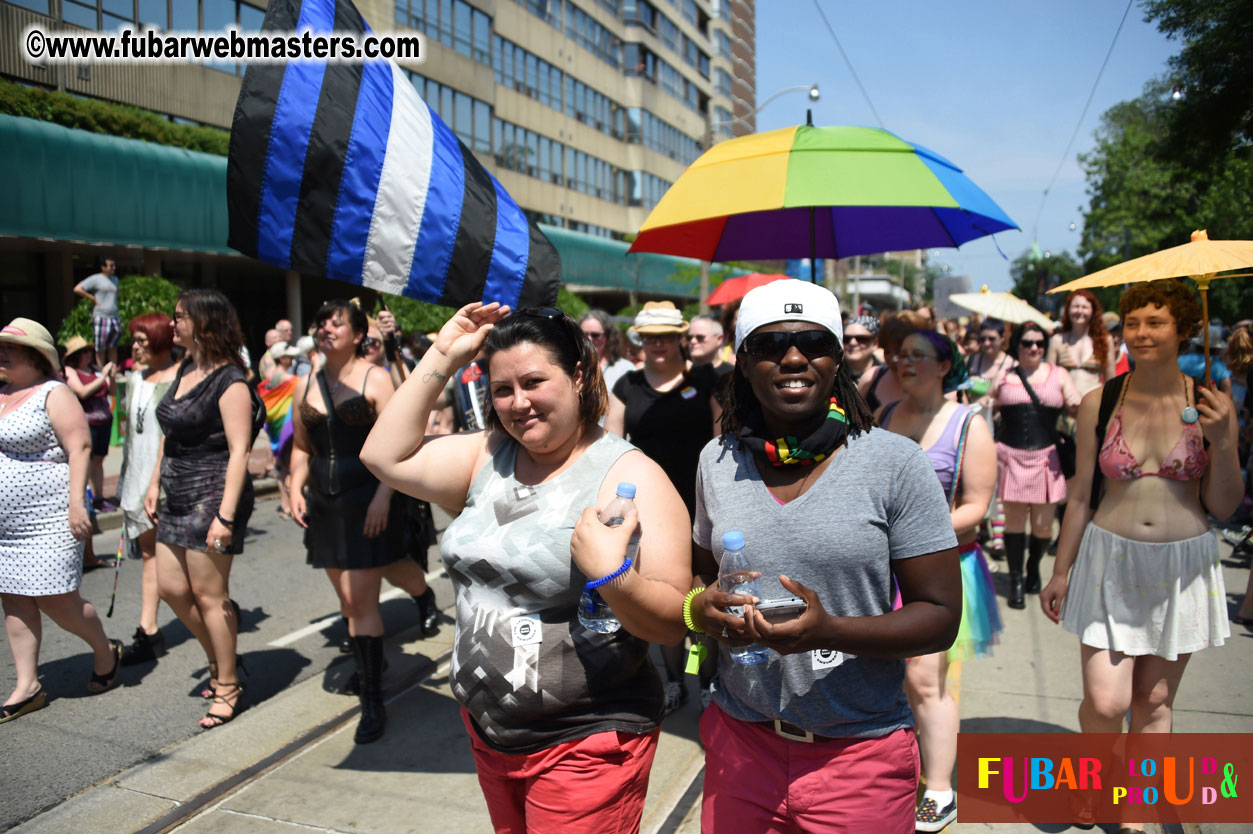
(103, 259)
(739, 402)
(993, 324)
(1172, 294)
(727, 319)
(356, 318)
(570, 350)
(613, 336)
(215, 325)
(158, 327)
(37, 359)
(1025, 327)
(1096, 325)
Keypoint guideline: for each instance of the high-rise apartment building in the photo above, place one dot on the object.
(586, 110)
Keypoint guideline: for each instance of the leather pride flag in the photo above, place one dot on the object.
(342, 170)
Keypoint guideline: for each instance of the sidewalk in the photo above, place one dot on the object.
(290, 763)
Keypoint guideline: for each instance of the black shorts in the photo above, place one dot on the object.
(100, 439)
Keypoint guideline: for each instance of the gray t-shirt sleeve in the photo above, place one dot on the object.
(918, 519)
(105, 292)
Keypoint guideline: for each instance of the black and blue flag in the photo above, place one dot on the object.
(342, 170)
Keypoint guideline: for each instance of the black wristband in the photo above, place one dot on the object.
(230, 525)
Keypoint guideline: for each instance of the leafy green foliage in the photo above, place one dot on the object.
(421, 317)
(1162, 168)
(1035, 274)
(109, 118)
(137, 294)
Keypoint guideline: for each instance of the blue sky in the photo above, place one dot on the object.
(997, 87)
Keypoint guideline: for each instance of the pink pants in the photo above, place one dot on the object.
(593, 785)
(757, 782)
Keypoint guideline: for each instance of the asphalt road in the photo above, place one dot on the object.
(79, 740)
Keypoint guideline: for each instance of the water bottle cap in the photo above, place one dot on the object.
(733, 540)
(626, 490)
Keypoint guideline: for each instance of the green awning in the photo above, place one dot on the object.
(75, 185)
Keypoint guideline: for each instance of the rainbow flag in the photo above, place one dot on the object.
(277, 402)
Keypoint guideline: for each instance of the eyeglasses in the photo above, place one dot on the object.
(595, 337)
(775, 345)
(914, 357)
(1032, 343)
(850, 339)
(658, 338)
(699, 337)
(369, 343)
(989, 339)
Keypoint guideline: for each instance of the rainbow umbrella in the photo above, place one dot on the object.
(817, 192)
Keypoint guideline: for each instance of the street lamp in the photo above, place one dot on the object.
(811, 90)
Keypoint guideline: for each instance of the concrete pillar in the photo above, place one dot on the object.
(292, 281)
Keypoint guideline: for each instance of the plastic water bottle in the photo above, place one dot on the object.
(594, 613)
(735, 576)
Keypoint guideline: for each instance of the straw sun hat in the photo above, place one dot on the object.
(31, 334)
(659, 317)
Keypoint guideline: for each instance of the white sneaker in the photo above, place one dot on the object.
(676, 696)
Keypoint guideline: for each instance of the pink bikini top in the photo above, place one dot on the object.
(1186, 462)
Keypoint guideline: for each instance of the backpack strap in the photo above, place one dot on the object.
(1110, 394)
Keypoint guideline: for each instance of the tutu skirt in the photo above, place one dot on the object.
(981, 620)
(1141, 598)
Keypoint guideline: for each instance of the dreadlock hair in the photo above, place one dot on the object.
(739, 402)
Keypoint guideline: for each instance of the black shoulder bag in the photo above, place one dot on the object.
(1065, 444)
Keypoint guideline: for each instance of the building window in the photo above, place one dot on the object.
(482, 37)
(40, 6)
(185, 17)
(79, 13)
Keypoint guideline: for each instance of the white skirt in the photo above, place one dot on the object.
(1147, 598)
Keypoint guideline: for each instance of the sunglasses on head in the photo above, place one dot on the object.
(550, 313)
(776, 344)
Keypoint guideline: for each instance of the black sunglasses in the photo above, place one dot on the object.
(1030, 343)
(860, 340)
(369, 342)
(776, 344)
(550, 313)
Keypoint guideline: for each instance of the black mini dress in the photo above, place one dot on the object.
(340, 488)
(193, 465)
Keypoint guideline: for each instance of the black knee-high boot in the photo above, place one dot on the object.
(1015, 544)
(1037, 547)
(369, 655)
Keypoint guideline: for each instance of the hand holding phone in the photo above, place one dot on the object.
(781, 610)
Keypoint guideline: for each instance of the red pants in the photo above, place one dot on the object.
(593, 785)
(757, 782)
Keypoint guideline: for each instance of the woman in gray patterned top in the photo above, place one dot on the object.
(563, 721)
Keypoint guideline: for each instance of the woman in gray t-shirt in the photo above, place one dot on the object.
(832, 511)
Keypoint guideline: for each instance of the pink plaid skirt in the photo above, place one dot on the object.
(1029, 476)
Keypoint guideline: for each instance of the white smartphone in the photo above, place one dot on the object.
(781, 610)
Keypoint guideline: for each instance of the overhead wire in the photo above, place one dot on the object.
(1078, 125)
(849, 64)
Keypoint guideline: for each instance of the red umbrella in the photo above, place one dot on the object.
(733, 289)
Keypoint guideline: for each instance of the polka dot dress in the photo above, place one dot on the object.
(38, 554)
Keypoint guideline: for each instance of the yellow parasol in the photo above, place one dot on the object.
(1002, 305)
(1201, 260)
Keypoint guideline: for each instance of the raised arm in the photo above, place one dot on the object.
(438, 470)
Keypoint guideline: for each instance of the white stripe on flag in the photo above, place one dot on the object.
(402, 190)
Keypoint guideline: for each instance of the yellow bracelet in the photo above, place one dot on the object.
(687, 611)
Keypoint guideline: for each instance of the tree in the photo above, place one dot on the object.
(1035, 274)
(137, 294)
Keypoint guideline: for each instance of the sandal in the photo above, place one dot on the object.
(37, 701)
(207, 692)
(104, 683)
(234, 689)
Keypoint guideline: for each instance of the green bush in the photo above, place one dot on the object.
(137, 294)
(108, 118)
(421, 317)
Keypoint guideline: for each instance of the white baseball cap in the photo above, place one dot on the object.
(788, 300)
